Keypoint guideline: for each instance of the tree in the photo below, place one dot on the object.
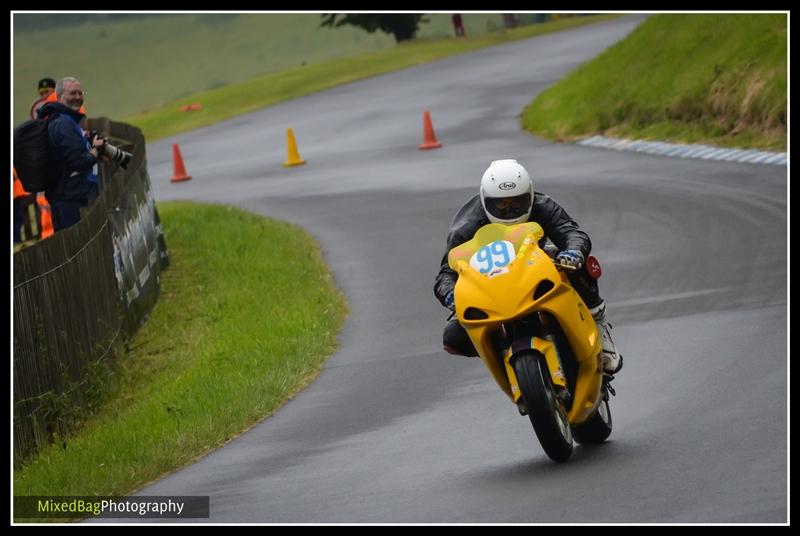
(509, 21)
(403, 27)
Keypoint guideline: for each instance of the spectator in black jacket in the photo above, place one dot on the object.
(77, 154)
(506, 196)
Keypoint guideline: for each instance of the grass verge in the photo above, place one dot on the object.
(719, 79)
(237, 99)
(247, 314)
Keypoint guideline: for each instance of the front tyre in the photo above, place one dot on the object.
(547, 414)
(596, 429)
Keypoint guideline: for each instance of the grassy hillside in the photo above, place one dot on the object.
(717, 78)
(128, 66)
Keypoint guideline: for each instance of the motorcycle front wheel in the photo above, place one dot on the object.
(547, 414)
(597, 428)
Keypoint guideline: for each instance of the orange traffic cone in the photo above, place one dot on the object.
(293, 158)
(179, 173)
(430, 138)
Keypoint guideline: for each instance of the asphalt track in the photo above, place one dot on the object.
(395, 430)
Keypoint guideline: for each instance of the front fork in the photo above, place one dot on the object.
(546, 347)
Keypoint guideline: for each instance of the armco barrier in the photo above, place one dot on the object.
(79, 295)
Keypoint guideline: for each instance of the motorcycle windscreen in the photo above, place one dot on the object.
(494, 247)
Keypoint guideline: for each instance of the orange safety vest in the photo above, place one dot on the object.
(38, 103)
(45, 212)
(19, 190)
(46, 216)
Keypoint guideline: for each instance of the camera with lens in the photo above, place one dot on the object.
(116, 154)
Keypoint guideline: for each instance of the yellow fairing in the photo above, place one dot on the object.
(499, 272)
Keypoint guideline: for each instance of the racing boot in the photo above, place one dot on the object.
(456, 341)
(612, 361)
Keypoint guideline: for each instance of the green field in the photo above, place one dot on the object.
(717, 79)
(131, 66)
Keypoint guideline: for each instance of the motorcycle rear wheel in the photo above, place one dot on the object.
(547, 414)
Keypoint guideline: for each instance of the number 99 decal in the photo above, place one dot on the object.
(498, 254)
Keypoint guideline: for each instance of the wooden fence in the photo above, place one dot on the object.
(79, 295)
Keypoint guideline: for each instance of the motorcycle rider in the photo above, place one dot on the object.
(506, 196)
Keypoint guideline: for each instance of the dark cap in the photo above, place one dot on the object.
(46, 83)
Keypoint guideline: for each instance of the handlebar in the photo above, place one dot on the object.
(567, 267)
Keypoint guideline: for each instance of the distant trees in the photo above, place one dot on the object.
(402, 27)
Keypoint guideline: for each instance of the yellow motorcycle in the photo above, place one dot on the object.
(534, 333)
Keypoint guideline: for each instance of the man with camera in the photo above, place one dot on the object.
(76, 154)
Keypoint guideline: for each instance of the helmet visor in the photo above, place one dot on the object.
(508, 208)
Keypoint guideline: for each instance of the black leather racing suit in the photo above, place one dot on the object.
(562, 230)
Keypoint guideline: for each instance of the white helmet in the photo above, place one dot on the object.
(506, 192)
